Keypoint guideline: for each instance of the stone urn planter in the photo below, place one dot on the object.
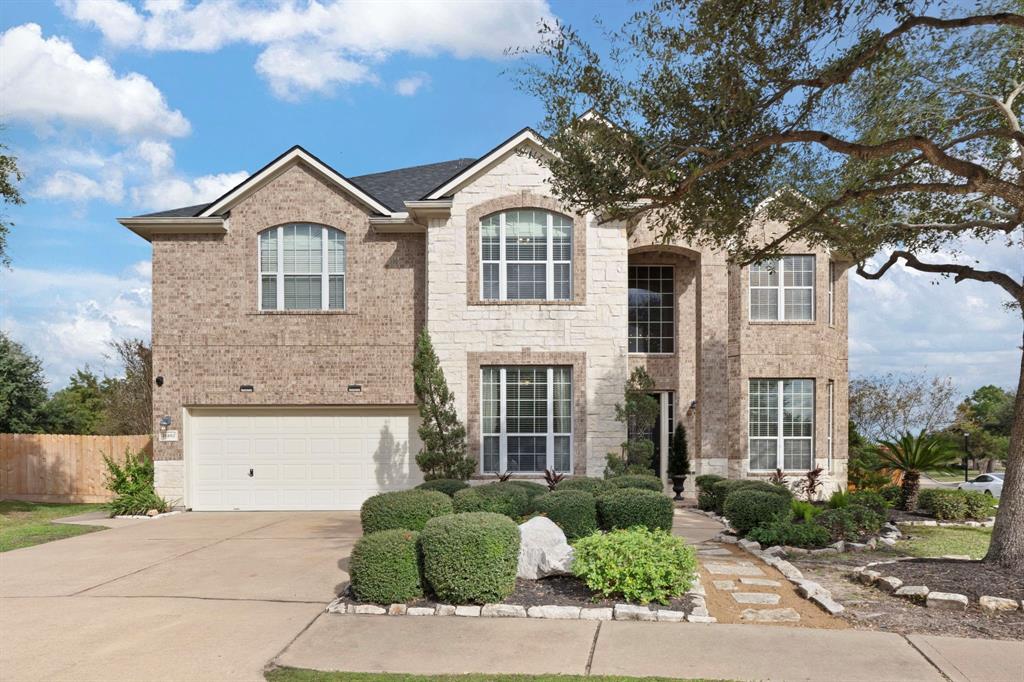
(678, 483)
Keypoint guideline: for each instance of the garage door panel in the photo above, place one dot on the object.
(315, 459)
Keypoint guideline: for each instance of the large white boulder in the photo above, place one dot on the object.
(543, 550)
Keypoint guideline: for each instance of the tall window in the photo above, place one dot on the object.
(831, 293)
(651, 309)
(302, 267)
(781, 424)
(782, 289)
(831, 419)
(526, 424)
(526, 254)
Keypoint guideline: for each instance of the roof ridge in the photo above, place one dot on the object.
(407, 168)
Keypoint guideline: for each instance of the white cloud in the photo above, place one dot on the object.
(67, 318)
(44, 82)
(72, 186)
(174, 192)
(410, 85)
(324, 39)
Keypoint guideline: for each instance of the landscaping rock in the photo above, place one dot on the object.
(856, 546)
(946, 600)
(336, 606)
(756, 598)
(826, 602)
(786, 615)
(796, 551)
(596, 614)
(926, 523)
(887, 541)
(824, 550)
(724, 585)
(890, 528)
(716, 551)
(872, 543)
(750, 545)
(731, 569)
(889, 583)
(419, 611)
(788, 570)
(809, 588)
(554, 612)
(630, 612)
(914, 592)
(761, 582)
(397, 609)
(697, 589)
(994, 604)
(543, 550)
(700, 611)
(667, 616)
(444, 610)
(467, 611)
(701, 619)
(728, 539)
(776, 550)
(868, 577)
(369, 610)
(839, 546)
(503, 611)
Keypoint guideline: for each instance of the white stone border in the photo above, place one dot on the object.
(922, 594)
(698, 610)
(149, 518)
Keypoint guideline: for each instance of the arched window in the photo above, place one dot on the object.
(526, 254)
(302, 267)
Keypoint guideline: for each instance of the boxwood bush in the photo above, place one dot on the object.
(635, 564)
(408, 509)
(870, 499)
(748, 508)
(705, 495)
(642, 481)
(385, 567)
(849, 523)
(722, 489)
(575, 511)
(532, 489)
(470, 558)
(594, 486)
(448, 486)
(505, 498)
(629, 507)
(956, 505)
(786, 532)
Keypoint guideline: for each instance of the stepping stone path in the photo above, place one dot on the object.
(732, 569)
(756, 598)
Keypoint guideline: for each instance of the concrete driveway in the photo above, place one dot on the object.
(198, 596)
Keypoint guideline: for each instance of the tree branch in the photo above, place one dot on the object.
(960, 272)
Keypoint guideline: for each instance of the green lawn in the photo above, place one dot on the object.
(936, 542)
(300, 675)
(23, 524)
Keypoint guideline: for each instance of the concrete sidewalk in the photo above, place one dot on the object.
(734, 652)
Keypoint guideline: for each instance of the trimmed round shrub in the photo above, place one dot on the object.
(721, 490)
(470, 558)
(872, 500)
(448, 486)
(705, 494)
(705, 481)
(956, 505)
(408, 509)
(642, 481)
(635, 564)
(499, 498)
(594, 486)
(926, 496)
(979, 505)
(849, 523)
(785, 532)
(385, 567)
(629, 507)
(532, 489)
(575, 511)
(748, 508)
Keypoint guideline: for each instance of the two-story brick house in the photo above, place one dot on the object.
(285, 314)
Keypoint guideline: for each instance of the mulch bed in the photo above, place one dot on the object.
(899, 516)
(971, 578)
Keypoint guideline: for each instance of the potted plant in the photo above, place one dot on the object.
(678, 461)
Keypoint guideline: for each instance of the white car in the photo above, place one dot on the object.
(990, 484)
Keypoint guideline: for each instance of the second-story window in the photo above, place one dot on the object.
(302, 267)
(526, 254)
(782, 289)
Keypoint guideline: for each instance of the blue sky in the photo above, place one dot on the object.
(117, 108)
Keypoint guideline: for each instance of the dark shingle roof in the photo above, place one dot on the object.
(393, 188)
(185, 212)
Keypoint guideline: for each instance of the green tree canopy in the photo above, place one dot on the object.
(22, 388)
(78, 408)
(10, 176)
(443, 435)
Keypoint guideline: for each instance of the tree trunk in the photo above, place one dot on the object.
(1007, 548)
(911, 487)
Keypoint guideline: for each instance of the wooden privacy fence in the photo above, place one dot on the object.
(59, 468)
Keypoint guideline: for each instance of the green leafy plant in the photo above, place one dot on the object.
(748, 508)
(705, 494)
(785, 532)
(639, 412)
(643, 481)
(385, 567)
(872, 500)
(850, 523)
(804, 511)
(839, 500)
(629, 507)
(911, 455)
(443, 454)
(405, 509)
(575, 511)
(132, 485)
(891, 494)
(470, 558)
(507, 499)
(448, 486)
(956, 505)
(721, 490)
(679, 457)
(635, 564)
(532, 489)
(594, 486)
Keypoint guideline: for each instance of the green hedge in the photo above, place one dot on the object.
(956, 505)
(470, 558)
(532, 489)
(385, 567)
(575, 511)
(448, 486)
(705, 481)
(721, 489)
(594, 486)
(748, 508)
(629, 507)
(408, 509)
(849, 523)
(870, 499)
(505, 498)
(641, 481)
(635, 564)
(786, 532)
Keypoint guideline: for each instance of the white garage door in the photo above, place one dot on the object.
(258, 459)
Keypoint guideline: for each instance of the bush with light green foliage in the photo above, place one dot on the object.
(385, 567)
(504, 498)
(132, 485)
(635, 564)
(747, 508)
(850, 523)
(804, 511)
(705, 494)
(532, 489)
(575, 511)
(470, 558)
(872, 500)
(722, 489)
(956, 505)
(786, 532)
(408, 509)
(642, 481)
(629, 507)
(448, 486)
(594, 486)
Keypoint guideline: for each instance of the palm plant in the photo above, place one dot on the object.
(911, 455)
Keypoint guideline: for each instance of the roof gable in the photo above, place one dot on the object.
(526, 135)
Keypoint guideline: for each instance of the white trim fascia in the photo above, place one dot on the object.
(398, 223)
(286, 161)
(150, 227)
(435, 208)
(484, 162)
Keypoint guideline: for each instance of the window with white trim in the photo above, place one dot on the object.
(526, 254)
(302, 267)
(782, 289)
(781, 424)
(526, 419)
(831, 293)
(831, 420)
(651, 309)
